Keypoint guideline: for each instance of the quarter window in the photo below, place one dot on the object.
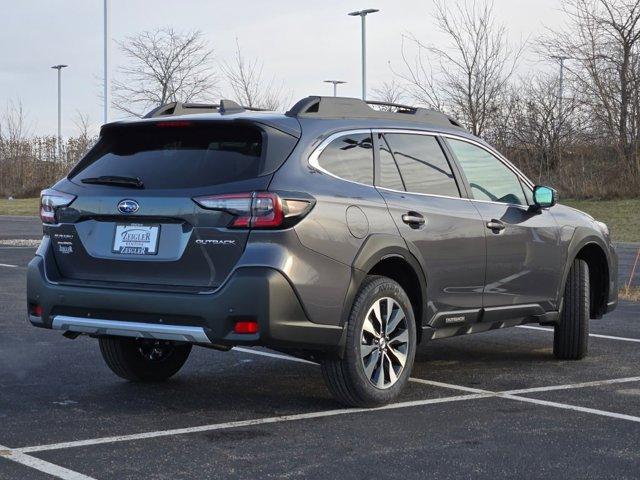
(423, 165)
(488, 177)
(349, 157)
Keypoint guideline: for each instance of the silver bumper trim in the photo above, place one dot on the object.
(180, 333)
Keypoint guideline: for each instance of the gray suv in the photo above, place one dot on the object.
(337, 232)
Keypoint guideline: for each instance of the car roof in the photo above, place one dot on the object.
(323, 112)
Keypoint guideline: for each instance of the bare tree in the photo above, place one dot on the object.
(602, 42)
(471, 74)
(14, 125)
(250, 88)
(86, 136)
(539, 124)
(164, 66)
(389, 92)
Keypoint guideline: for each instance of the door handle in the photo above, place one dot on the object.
(413, 219)
(496, 225)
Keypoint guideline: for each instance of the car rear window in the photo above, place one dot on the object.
(166, 157)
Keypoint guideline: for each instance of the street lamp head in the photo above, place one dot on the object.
(362, 13)
(59, 67)
(335, 82)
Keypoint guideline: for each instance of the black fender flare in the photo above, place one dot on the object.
(375, 248)
(581, 238)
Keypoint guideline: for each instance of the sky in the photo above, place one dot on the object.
(301, 43)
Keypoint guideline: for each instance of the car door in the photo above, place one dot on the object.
(441, 228)
(524, 258)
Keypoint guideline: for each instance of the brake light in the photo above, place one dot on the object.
(173, 124)
(255, 209)
(50, 201)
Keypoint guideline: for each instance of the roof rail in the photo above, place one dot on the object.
(225, 107)
(344, 107)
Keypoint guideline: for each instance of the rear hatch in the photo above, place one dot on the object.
(134, 221)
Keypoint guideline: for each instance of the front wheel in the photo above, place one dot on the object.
(143, 360)
(571, 336)
(380, 346)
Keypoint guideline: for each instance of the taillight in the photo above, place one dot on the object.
(255, 209)
(50, 201)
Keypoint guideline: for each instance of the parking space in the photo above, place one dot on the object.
(493, 404)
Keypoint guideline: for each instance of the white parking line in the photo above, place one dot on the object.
(7, 265)
(596, 335)
(576, 408)
(19, 454)
(510, 394)
(551, 388)
(41, 465)
(245, 423)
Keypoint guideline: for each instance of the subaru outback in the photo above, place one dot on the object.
(338, 231)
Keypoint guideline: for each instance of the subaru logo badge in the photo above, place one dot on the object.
(128, 206)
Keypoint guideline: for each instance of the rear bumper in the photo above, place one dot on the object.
(251, 293)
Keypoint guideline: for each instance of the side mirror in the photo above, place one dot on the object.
(544, 197)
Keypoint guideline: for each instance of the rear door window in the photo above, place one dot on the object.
(389, 173)
(349, 157)
(170, 157)
(423, 165)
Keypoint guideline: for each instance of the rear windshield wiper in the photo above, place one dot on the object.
(131, 182)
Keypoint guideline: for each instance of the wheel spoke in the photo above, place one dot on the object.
(400, 338)
(378, 315)
(370, 366)
(392, 374)
(365, 350)
(401, 357)
(381, 372)
(394, 321)
(370, 328)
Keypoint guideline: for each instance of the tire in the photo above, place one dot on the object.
(143, 360)
(350, 382)
(571, 334)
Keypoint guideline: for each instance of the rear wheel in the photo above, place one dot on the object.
(143, 360)
(571, 336)
(380, 346)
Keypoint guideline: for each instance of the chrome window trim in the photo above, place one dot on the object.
(315, 155)
(423, 194)
(495, 154)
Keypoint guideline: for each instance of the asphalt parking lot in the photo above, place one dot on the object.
(490, 405)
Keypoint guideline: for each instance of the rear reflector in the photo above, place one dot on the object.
(35, 310)
(246, 326)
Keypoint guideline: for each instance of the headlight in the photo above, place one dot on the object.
(603, 228)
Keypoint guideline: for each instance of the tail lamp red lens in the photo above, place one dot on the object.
(254, 209)
(246, 326)
(50, 201)
(35, 310)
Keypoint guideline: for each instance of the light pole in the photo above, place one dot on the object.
(561, 86)
(106, 61)
(335, 85)
(59, 68)
(362, 14)
(560, 97)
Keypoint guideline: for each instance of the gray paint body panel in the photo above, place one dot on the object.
(310, 273)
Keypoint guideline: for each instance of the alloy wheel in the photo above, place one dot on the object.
(384, 343)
